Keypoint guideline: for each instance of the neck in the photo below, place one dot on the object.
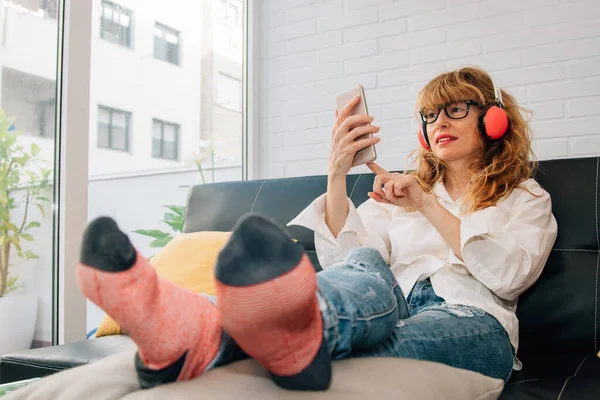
(456, 180)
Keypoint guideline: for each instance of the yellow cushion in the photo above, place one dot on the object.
(188, 261)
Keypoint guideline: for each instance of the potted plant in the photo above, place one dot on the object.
(23, 181)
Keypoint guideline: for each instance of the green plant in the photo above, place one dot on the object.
(19, 169)
(173, 218)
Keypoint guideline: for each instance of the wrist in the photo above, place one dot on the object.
(336, 179)
(429, 205)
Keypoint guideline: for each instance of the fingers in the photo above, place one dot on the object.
(388, 189)
(363, 143)
(347, 110)
(361, 131)
(399, 189)
(378, 183)
(341, 115)
(378, 198)
(377, 170)
(361, 119)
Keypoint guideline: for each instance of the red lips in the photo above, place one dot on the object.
(444, 137)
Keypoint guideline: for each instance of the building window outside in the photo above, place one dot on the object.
(166, 43)
(115, 23)
(46, 122)
(113, 128)
(165, 140)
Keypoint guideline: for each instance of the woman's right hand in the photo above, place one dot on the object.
(343, 145)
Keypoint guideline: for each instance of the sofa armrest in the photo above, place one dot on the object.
(48, 360)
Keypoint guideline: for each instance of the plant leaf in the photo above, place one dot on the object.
(27, 237)
(176, 225)
(41, 208)
(161, 242)
(33, 224)
(35, 149)
(11, 227)
(179, 210)
(30, 255)
(153, 233)
(12, 281)
(175, 221)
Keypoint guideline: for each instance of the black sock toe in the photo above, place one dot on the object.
(257, 251)
(106, 247)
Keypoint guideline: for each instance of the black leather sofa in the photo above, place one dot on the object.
(560, 327)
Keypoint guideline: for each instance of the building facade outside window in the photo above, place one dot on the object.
(166, 43)
(116, 24)
(113, 128)
(165, 140)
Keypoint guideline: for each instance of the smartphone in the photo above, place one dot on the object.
(369, 153)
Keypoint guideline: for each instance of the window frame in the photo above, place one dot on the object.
(123, 11)
(166, 29)
(111, 111)
(162, 124)
(72, 148)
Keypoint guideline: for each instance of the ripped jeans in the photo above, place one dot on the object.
(365, 314)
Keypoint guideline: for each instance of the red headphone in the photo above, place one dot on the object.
(493, 123)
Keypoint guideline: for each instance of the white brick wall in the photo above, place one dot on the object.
(545, 52)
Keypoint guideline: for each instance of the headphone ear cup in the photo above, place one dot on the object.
(421, 135)
(495, 123)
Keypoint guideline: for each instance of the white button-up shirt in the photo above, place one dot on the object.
(504, 247)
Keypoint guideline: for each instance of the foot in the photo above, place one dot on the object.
(177, 332)
(267, 292)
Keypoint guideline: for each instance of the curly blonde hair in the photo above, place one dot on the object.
(505, 162)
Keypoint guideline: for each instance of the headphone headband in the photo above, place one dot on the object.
(498, 95)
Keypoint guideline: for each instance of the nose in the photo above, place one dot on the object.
(443, 121)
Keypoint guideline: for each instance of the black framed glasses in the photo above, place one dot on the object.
(454, 110)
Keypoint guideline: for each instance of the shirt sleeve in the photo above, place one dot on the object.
(366, 226)
(506, 248)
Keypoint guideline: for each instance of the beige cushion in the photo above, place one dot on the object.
(365, 379)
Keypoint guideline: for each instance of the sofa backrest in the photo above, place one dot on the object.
(558, 314)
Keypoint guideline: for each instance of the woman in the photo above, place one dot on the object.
(463, 235)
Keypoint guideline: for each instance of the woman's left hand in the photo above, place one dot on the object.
(398, 189)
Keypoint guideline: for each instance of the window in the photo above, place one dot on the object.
(50, 8)
(30, 100)
(33, 195)
(230, 13)
(46, 111)
(113, 128)
(229, 92)
(165, 140)
(115, 24)
(166, 43)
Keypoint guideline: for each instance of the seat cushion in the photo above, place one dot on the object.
(365, 378)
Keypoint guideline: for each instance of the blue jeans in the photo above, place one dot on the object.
(365, 314)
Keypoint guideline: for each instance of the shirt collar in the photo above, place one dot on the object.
(440, 190)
